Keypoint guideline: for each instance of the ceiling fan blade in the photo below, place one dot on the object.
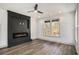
(40, 12)
(31, 11)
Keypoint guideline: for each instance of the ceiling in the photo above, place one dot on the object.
(47, 8)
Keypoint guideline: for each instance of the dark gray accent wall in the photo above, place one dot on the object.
(18, 23)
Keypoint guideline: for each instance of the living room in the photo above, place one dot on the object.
(38, 28)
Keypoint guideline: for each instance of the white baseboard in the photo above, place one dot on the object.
(58, 42)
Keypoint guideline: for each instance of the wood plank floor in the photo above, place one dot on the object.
(39, 47)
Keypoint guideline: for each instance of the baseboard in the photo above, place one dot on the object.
(57, 42)
(3, 45)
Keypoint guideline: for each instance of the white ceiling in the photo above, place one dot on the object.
(47, 8)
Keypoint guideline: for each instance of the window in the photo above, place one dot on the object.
(51, 28)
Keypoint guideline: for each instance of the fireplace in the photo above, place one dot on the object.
(20, 34)
(18, 29)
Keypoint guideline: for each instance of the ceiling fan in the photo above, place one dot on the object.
(35, 9)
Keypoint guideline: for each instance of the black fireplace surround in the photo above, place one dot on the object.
(18, 28)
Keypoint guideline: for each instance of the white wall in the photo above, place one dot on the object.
(3, 28)
(77, 31)
(66, 29)
(33, 28)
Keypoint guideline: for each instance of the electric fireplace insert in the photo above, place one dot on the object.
(20, 34)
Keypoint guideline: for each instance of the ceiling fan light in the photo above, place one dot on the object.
(35, 11)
